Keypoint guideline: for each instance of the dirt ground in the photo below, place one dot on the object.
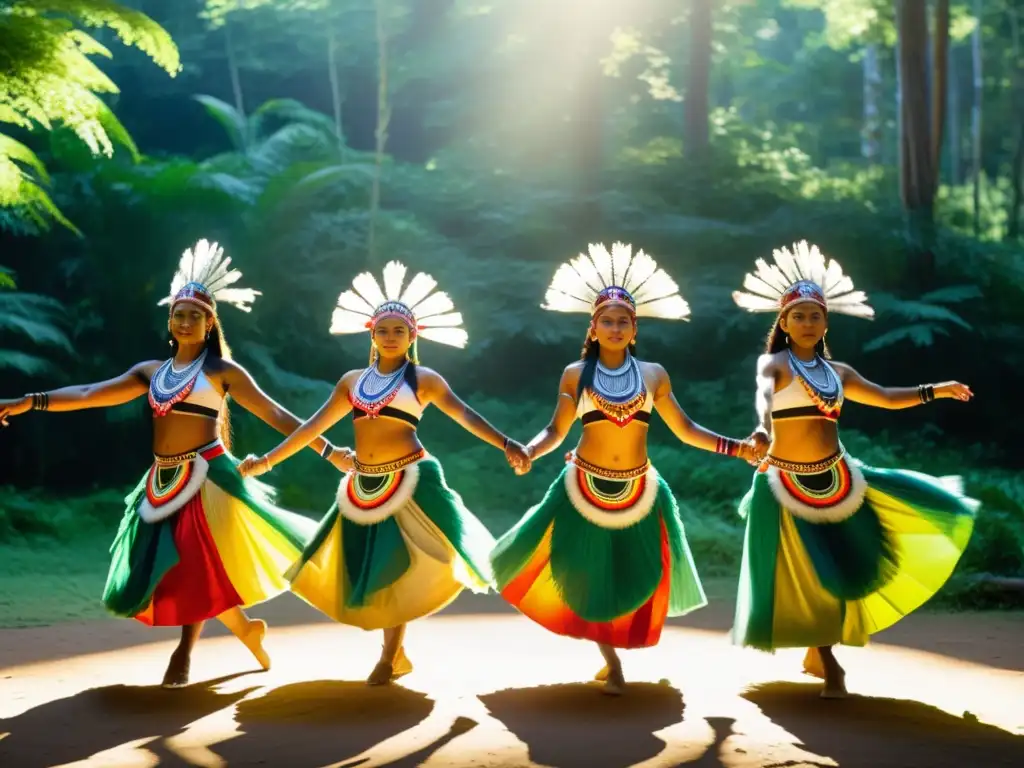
(492, 689)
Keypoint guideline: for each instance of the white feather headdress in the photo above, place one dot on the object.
(430, 313)
(601, 277)
(800, 275)
(205, 277)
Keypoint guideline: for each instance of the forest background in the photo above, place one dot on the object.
(486, 142)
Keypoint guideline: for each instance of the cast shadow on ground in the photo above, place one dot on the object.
(884, 733)
(326, 721)
(95, 720)
(577, 726)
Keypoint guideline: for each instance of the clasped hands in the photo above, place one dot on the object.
(518, 457)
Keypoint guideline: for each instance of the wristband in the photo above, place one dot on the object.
(40, 401)
(926, 392)
(727, 446)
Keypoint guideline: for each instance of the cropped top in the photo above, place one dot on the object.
(398, 401)
(588, 412)
(806, 398)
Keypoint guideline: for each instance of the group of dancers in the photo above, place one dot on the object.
(833, 552)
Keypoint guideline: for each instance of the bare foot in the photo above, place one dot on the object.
(602, 674)
(253, 640)
(835, 685)
(176, 675)
(388, 671)
(814, 665)
(615, 683)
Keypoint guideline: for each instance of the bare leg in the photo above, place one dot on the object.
(176, 675)
(249, 631)
(614, 682)
(393, 662)
(835, 675)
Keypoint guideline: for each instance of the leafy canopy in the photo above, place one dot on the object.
(47, 77)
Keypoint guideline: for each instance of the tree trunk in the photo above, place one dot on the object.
(917, 170)
(236, 81)
(940, 76)
(1013, 223)
(383, 117)
(976, 116)
(697, 106)
(870, 142)
(953, 123)
(332, 74)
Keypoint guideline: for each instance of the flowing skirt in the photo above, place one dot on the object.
(394, 548)
(602, 560)
(833, 557)
(198, 539)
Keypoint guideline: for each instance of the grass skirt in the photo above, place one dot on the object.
(600, 560)
(198, 539)
(394, 548)
(833, 558)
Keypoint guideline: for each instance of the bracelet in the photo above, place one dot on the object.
(40, 401)
(507, 441)
(727, 446)
(926, 392)
(327, 451)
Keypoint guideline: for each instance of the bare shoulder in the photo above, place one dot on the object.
(571, 374)
(771, 362)
(349, 378)
(653, 369)
(842, 369)
(146, 368)
(423, 372)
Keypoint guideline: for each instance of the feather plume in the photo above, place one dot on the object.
(205, 264)
(766, 285)
(578, 283)
(433, 310)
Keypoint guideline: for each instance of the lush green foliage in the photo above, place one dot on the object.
(507, 151)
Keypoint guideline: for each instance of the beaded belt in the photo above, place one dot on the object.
(391, 466)
(183, 458)
(807, 468)
(609, 474)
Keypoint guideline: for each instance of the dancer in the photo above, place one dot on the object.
(196, 540)
(603, 557)
(399, 544)
(834, 550)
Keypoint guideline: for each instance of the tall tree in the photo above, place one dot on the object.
(698, 101)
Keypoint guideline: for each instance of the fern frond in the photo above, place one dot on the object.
(920, 334)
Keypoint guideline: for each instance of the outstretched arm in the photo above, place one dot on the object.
(247, 393)
(336, 407)
(689, 431)
(561, 422)
(129, 385)
(434, 389)
(860, 390)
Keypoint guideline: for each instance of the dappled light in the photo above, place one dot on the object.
(494, 687)
(460, 230)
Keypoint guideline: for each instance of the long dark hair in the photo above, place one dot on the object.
(778, 340)
(589, 355)
(216, 347)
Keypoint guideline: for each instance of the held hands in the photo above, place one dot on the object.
(760, 442)
(14, 407)
(953, 390)
(518, 457)
(254, 466)
(343, 459)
